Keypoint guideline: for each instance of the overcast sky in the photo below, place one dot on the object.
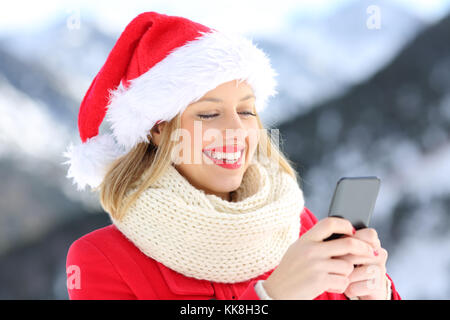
(249, 16)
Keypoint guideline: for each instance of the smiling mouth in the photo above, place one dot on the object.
(224, 159)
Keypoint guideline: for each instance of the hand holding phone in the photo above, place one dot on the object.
(354, 199)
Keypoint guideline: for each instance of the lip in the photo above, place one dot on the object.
(225, 165)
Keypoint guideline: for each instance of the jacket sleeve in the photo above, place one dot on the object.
(394, 293)
(90, 275)
(250, 292)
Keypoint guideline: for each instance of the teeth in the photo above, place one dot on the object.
(227, 157)
(233, 156)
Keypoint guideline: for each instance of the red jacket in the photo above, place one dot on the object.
(103, 264)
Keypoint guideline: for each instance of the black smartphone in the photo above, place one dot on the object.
(354, 199)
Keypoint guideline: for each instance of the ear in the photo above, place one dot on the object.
(156, 132)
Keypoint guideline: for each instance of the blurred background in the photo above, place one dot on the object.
(364, 89)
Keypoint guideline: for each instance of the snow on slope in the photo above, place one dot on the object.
(26, 128)
(320, 59)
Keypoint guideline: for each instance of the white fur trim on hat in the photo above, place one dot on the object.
(183, 77)
(88, 161)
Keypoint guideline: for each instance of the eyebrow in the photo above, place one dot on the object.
(219, 100)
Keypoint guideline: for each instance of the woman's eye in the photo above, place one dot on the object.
(249, 113)
(208, 116)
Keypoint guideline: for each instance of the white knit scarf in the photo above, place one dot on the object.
(203, 236)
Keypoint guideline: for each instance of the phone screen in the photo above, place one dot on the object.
(354, 199)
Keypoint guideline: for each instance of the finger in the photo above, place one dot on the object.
(360, 259)
(380, 258)
(336, 266)
(366, 272)
(363, 288)
(336, 283)
(344, 246)
(368, 235)
(327, 226)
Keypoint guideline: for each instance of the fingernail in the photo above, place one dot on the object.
(375, 252)
(354, 230)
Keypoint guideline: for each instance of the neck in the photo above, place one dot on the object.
(224, 195)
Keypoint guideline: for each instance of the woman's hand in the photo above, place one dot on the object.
(309, 267)
(368, 280)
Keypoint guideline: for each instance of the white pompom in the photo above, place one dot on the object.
(88, 161)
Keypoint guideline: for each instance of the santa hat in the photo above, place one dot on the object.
(159, 65)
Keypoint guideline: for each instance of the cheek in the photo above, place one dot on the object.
(251, 154)
(189, 128)
(183, 149)
(253, 136)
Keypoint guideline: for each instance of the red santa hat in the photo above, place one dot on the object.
(159, 65)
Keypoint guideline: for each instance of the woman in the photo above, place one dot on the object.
(202, 202)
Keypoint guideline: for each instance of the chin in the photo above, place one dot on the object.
(227, 185)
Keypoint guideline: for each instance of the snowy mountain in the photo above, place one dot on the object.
(395, 125)
(321, 59)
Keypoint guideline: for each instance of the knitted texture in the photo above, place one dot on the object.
(203, 236)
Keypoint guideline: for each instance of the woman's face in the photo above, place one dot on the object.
(224, 119)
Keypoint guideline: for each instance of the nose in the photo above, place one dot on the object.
(233, 121)
(234, 129)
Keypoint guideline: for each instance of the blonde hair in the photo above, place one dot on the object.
(149, 162)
